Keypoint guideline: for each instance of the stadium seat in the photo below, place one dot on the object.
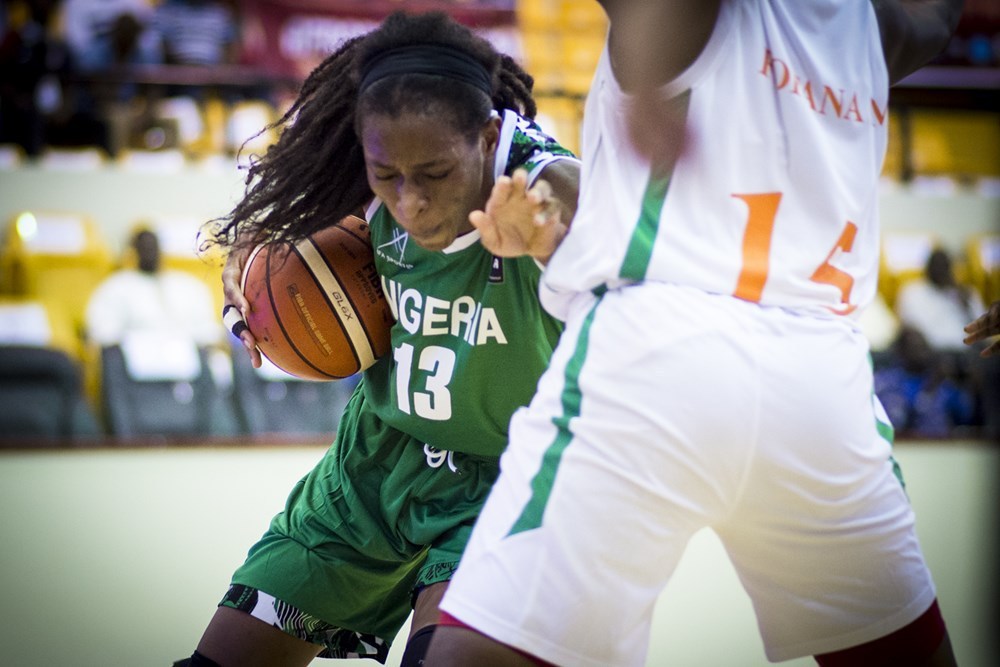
(983, 265)
(153, 390)
(269, 401)
(247, 130)
(72, 159)
(27, 321)
(42, 398)
(903, 258)
(955, 142)
(12, 156)
(57, 258)
(162, 161)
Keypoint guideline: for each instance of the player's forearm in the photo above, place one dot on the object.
(653, 41)
(915, 31)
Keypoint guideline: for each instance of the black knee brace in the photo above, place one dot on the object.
(416, 648)
(197, 660)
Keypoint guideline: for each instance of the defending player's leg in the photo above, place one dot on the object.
(423, 625)
(457, 641)
(922, 643)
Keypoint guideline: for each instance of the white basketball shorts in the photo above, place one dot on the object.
(666, 410)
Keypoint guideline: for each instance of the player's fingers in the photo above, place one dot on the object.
(551, 214)
(233, 320)
(501, 192)
(520, 179)
(251, 346)
(540, 192)
(234, 296)
(232, 274)
(991, 349)
(487, 229)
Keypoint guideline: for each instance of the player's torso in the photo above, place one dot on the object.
(775, 199)
(470, 340)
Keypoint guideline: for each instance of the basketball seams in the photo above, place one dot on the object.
(281, 324)
(365, 241)
(329, 281)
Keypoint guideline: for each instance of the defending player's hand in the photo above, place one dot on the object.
(520, 221)
(983, 327)
(236, 305)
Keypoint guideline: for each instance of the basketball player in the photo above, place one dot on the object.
(411, 124)
(710, 374)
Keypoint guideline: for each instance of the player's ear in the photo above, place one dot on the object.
(490, 135)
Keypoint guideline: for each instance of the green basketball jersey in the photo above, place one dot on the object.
(470, 338)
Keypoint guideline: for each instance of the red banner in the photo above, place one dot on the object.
(291, 37)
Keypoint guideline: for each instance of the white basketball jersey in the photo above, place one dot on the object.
(775, 198)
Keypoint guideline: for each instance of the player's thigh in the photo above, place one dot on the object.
(823, 537)
(237, 638)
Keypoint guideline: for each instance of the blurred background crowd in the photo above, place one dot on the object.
(123, 125)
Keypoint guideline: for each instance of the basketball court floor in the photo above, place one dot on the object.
(117, 557)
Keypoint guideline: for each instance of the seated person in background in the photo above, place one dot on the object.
(102, 33)
(918, 395)
(937, 305)
(149, 298)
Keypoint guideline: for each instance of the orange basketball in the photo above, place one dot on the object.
(316, 307)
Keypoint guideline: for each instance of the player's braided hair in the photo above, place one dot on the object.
(314, 174)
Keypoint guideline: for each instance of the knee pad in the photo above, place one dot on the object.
(416, 648)
(196, 660)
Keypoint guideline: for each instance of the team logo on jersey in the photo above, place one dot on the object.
(496, 270)
(439, 457)
(394, 249)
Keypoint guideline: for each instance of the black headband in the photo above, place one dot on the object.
(427, 59)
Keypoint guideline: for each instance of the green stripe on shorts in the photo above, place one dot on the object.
(541, 484)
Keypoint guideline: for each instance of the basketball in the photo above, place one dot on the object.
(316, 307)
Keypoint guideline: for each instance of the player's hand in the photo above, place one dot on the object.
(519, 220)
(236, 305)
(983, 327)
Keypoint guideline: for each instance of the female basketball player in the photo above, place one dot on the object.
(709, 374)
(411, 124)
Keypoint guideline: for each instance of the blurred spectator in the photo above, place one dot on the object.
(937, 306)
(103, 33)
(918, 395)
(33, 66)
(197, 32)
(151, 299)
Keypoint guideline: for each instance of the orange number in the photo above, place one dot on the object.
(763, 210)
(831, 275)
(757, 244)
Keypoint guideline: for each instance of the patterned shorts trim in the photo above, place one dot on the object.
(337, 642)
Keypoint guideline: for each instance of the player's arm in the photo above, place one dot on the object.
(530, 220)
(236, 306)
(914, 31)
(650, 43)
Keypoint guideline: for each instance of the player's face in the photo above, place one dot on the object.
(429, 175)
